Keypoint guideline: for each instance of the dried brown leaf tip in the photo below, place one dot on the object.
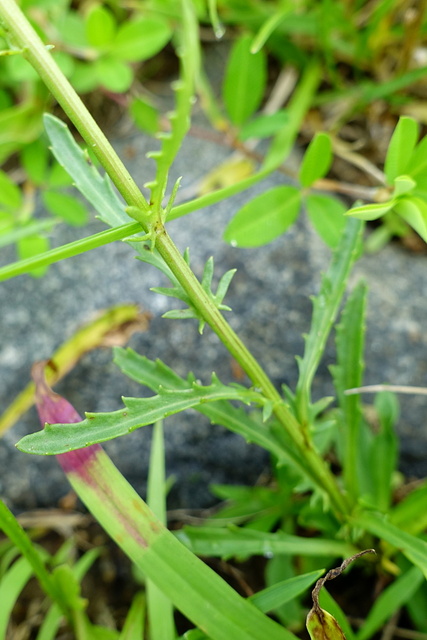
(320, 624)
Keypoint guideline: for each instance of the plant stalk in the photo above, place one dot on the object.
(38, 56)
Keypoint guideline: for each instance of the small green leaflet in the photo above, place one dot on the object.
(401, 147)
(264, 218)
(317, 159)
(138, 412)
(414, 211)
(326, 214)
(244, 81)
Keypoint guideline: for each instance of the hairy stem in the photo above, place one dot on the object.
(36, 53)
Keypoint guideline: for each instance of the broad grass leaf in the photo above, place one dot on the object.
(317, 159)
(327, 217)
(100, 26)
(244, 81)
(371, 211)
(141, 39)
(283, 592)
(400, 149)
(414, 211)
(264, 218)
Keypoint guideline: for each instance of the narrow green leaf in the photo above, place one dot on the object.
(214, 197)
(401, 147)
(418, 161)
(98, 190)
(100, 26)
(390, 600)
(264, 125)
(234, 541)
(385, 448)
(326, 214)
(325, 309)
(13, 530)
(11, 585)
(283, 592)
(298, 106)
(411, 547)
(371, 211)
(410, 514)
(347, 374)
(219, 30)
(244, 81)
(159, 607)
(69, 250)
(267, 29)
(138, 412)
(141, 38)
(317, 159)
(66, 207)
(264, 218)
(133, 628)
(189, 56)
(33, 227)
(414, 211)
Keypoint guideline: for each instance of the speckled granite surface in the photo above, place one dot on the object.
(271, 309)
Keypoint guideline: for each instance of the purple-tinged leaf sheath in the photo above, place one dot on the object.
(52, 409)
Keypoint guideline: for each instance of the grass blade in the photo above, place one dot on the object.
(159, 607)
(11, 585)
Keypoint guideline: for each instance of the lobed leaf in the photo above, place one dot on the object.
(155, 374)
(138, 412)
(96, 189)
(325, 309)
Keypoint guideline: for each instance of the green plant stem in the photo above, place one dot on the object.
(39, 57)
